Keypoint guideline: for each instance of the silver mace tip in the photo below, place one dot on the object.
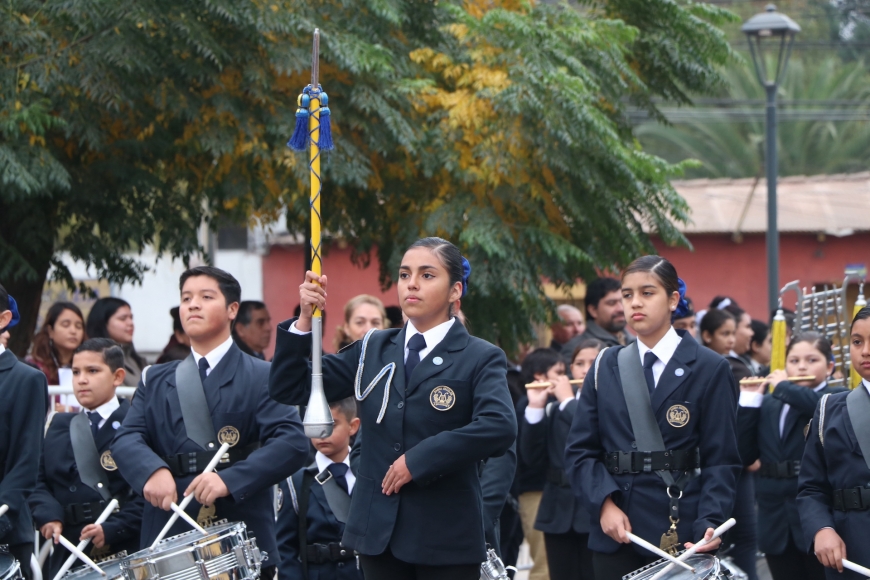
(317, 430)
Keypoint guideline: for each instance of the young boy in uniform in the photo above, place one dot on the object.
(184, 410)
(314, 507)
(77, 474)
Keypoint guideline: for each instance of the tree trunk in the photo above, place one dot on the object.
(27, 235)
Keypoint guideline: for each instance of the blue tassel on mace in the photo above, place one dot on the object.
(325, 124)
(299, 140)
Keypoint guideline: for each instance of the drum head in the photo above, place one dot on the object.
(112, 568)
(706, 568)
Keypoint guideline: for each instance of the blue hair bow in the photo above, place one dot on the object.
(466, 272)
(682, 310)
(16, 318)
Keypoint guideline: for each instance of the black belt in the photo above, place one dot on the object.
(323, 553)
(855, 499)
(558, 477)
(195, 462)
(780, 469)
(648, 461)
(76, 514)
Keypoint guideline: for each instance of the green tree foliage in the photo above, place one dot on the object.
(499, 124)
(809, 142)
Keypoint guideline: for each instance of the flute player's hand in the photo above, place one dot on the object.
(312, 294)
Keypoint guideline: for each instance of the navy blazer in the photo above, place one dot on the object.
(237, 395)
(60, 485)
(777, 512)
(495, 484)
(838, 464)
(436, 519)
(323, 528)
(543, 443)
(696, 378)
(22, 418)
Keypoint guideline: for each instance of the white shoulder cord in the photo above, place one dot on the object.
(390, 368)
(822, 418)
(597, 361)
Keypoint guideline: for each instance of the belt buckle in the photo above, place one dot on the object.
(328, 477)
(624, 462)
(225, 458)
(852, 499)
(192, 462)
(796, 466)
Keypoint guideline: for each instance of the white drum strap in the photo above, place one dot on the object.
(822, 405)
(388, 371)
(597, 362)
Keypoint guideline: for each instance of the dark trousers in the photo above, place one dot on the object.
(387, 567)
(568, 556)
(795, 564)
(616, 565)
(22, 553)
(744, 535)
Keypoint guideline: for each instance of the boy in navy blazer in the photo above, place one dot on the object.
(155, 449)
(65, 504)
(323, 491)
(22, 416)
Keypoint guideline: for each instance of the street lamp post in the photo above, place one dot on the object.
(766, 32)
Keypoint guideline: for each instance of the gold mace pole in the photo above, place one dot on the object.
(318, 421)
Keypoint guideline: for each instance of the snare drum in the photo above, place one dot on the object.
(111, 566)
(9, 568)
(706, 568)
(225, 553)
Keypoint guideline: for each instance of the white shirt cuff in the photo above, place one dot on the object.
(750, 399)
(534, 415)
(294, 330)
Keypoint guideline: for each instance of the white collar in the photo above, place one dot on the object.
(866, 384)
(106, 409)
(433, 336)
(215, 356)
(664, 349)
(323, 461)
(820, 387)
(2, 349)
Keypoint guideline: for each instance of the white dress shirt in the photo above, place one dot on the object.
(323, 462)
(786, 407)
(215, 356)
(664, 351)
(105, 410)
(433, 336)
(2, 349)
(864, 381)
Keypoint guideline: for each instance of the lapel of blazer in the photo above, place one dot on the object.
(670, 381)
(7, 360)
(394, 353)
(456, 340)
(107, 432)
(222, 375)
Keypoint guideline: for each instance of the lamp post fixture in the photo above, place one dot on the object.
(767, 32)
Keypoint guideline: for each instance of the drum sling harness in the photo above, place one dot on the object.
(87, 457)
(858, 406)
(648, 437)
(339, 503)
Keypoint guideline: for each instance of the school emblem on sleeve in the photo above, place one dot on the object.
(442, 398)
(678, 416)
(107, 461)
(229, 435)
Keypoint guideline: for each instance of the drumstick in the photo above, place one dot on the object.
(186, 501)
(113, 505)
(856, 568)
(187, 518)
(547, 385)
(80, 555)
(658, 551)
(758, 381)
(691, 551)
(3, 509)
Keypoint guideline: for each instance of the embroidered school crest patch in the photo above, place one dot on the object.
(442, 398)
(229, 435)
(107, 461)
(678, 416)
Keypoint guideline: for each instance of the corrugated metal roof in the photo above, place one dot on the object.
(836, 205)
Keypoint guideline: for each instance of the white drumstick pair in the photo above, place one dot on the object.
(186, 501)
(113, 505)
(658, 551)
(3, 509)
(691, 551)
(79, 554)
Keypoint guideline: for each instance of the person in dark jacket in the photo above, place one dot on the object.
(22, 416)
(434, 404)
(605, 315)
(776, 432)
(65, 504)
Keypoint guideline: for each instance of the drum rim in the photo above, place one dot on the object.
(195, 538)
(651, 569)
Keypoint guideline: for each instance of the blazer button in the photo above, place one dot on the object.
(401, 405)
(397, 446)
(625, 487)
(72, 488)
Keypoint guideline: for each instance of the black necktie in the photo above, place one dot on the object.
(415, 345)
(339, 474)
(95, 418)
(203, 366)
(649, 360)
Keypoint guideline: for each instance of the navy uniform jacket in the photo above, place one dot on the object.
(696, 378)
(60, 485)
(323, 528)
(777, 511)
(22, 418)
(436, 519)
(495, 484)
(838, 464)
(237, 396)
(543, 444)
